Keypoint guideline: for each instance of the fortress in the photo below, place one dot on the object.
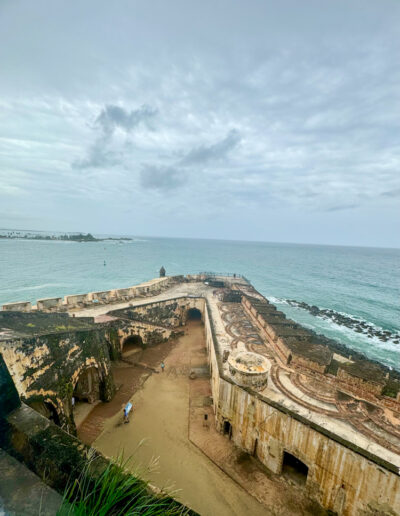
(280, 393)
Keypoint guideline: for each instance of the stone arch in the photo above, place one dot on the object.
(87, 384)
(132, 344)
(193, 314)
(294, 468)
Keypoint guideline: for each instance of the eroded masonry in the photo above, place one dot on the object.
(291, 398)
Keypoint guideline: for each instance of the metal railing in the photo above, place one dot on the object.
(224, 274)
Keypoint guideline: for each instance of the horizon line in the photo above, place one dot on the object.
(49, 232)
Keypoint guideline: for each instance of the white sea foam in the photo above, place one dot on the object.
(33, 287)
(277, 301)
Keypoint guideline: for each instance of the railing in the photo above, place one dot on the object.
(224, 274)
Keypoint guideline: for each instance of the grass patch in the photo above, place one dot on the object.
(114, 492)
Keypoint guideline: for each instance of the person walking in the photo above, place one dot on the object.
(128, 407)
(162, 367)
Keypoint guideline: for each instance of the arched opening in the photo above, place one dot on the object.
(193, 314)
(131, 345)
(47, 410)
(294, 469)
(87, 387)
(227, 429)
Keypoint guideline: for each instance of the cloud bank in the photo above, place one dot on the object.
(261, 122)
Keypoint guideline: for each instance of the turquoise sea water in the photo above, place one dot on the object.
(360, 282)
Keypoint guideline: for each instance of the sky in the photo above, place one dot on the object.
(227, 119)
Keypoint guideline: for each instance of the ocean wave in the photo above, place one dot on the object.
(382, 337)
(277, 300)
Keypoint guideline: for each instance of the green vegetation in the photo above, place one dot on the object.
(391, 389)
(73, 237)
(114, 492)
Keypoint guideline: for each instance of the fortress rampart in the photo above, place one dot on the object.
(93, 298)
(342, 476)
(278, 391)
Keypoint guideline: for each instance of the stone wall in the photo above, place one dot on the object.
(9, 399)
(150, 334)
(46, 368)
(22, 306)
(74, 301)
(169, 314)
(50, 304)
(341, 477)
(338, 478)
(360, 385)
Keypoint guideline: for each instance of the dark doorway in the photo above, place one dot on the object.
(227, 429)
(132, 344)
(87, 388)
(193, 314)
(255, 448)
(47, 410)
(294, 468)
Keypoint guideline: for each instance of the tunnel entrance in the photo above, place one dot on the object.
(227, 429)
(47, 410)
(87, 388)
(132, 344)
(193, 314)
(294, 468)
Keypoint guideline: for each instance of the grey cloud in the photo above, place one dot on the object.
(168, 177)
(217, 151)
(161, 178)
(391, 193)
(98, 157)
(306, 94)
(341, 207)
(112, 117)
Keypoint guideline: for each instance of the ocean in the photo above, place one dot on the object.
(360, 286)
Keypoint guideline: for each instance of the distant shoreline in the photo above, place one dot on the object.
(76, 237)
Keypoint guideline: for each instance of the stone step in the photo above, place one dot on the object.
(22, 493)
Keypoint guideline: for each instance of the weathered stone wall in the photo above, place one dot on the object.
(73, 301)
(360, 385)
(46, 368)
(339, 478)
(169, 314)
(22, 306)
(50, 304)
(9, 399)
(150, 334)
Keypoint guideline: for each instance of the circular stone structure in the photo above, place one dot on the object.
(249, 369)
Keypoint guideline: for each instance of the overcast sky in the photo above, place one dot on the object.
(250, 120)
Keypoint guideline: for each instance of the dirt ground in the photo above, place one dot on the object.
(128, 379)
(173, 447)
(159, 430)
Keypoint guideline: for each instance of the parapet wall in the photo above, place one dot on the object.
(148, 288)
(169, 313)
(92, 298)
